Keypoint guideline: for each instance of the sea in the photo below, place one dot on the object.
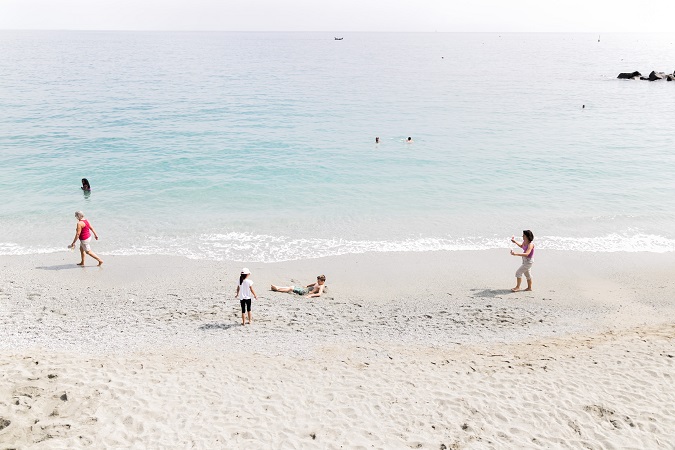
(260, 147)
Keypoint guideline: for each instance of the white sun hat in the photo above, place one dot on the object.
(245, 271)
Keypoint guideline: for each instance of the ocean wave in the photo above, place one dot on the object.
(250, 247)
(613, 242)
(266, 248)
(10, 248)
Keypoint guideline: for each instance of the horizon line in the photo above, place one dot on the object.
(316, 31)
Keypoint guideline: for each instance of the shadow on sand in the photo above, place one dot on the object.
(218, 326)
(491, 293)
(60, 267)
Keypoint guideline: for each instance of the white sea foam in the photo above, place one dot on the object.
(10, 248)
(266, 248)
(613, 242)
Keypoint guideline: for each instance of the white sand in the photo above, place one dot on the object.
(407, 350)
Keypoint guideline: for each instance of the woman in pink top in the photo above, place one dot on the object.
(528, 259)
(83, 233)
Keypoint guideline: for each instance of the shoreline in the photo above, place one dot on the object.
(267, 248)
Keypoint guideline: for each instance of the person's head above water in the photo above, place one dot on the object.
(85, 184)
(409, 139)
(377, 140)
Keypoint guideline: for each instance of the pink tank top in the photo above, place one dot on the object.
(85, 233)
(524, 247)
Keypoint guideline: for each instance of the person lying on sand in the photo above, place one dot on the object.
(311, 290)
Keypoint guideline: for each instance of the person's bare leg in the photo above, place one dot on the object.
(81, 263)
(529, 284)
(93, 255)
(249, 317)
(282, 288)
(517, 288)
(243, 319)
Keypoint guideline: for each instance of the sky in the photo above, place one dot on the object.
(340, 15)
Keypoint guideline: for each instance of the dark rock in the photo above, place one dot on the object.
(656, 76)
(4, 423)
(670, 77)
(629, 75)
(64, 397)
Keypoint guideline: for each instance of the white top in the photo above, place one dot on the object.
(245, 289)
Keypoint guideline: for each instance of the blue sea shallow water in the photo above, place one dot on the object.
(260, 146)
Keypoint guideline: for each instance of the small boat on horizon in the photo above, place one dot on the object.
(339, 39)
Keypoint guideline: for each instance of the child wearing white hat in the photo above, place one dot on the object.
(244, 293)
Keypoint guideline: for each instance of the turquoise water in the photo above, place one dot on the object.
(260, 146)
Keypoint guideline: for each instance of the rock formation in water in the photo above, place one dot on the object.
(629, 75)
(653, 76)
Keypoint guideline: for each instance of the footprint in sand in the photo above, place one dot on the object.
(51, 431)
(28, 391)
(573, 425)
(598, 411)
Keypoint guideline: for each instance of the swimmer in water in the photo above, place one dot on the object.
(85, 185)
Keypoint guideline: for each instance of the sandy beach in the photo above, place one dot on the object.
(407, 350)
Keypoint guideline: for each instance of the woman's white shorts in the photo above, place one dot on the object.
(85, 245)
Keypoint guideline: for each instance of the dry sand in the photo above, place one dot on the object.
(407, 350)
